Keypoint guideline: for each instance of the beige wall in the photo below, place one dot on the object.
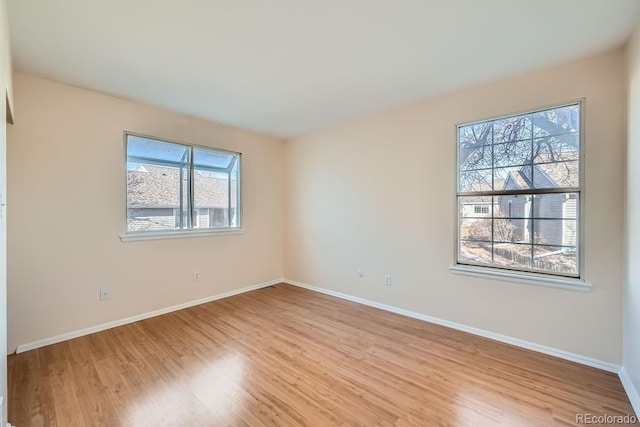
(378, 196)
(5, 86)
(375, 196)
(631, 341)
(66, 181)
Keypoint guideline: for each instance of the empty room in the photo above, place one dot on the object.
(319, 213)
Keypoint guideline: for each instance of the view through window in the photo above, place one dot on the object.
(173, 187)
(519, 187)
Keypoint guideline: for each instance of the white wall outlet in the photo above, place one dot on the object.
(387, 279)
(105, 294)
(359, 274)
(196, 276)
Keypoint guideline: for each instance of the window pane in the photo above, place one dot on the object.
(475, 218)
(477, 157)
(555, 232)
(474, 252)
(512, 153)
(511, 178)
(556, 259)
(512, 255)
(475, 180)
(556, 121)
(504, 230)
(234, 219)
(555, 148)
(474, 146)
(145, 149)
(555, 174)
(556, 205)
(475, 229)
(211, 198)
(215, 189)
(510, 129)
(474, 207)
(475, 135)
(217, 161)
(153, 198)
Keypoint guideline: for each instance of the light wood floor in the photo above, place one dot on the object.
(287, 356)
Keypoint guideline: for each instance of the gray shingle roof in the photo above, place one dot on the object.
(564, 173)
(158, 187)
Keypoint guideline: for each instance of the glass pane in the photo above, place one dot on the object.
(516, 209)
(478, 157)
(556, 232)
(210, 159)
(555, 259)
(512, 255)
(211, 198)
(556, 174)
(474, 207)
(153, 198)
(556, 206)
(512, 206)
(474, 252)
(475, 229)
(475, 180)
(139, 148)
(512, 153)
(557, 121)
(475, 135)
(511, 178)
(504, 230)
(214, 190)
(555, 148)
(234, 218)
(474, 146)
(511, 129)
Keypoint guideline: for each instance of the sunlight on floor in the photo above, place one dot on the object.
(212, 394)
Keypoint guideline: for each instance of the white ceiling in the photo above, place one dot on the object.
(289, 67)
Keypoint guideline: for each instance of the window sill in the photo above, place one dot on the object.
(161, 235)
(526, 278)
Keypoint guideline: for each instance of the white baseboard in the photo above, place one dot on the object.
(584, 360)
(75, 334)
(632, 391)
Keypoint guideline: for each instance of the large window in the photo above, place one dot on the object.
(174, 187)
(519, 189)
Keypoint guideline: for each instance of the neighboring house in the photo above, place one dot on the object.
(476, 209)
(548, 209)
(153, 199)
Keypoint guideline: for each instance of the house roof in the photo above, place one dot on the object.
(158, 187)
(546, 174)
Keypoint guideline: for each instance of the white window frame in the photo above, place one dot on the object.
(577, 283)
(128, 236)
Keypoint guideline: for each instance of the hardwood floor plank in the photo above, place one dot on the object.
(286, 356)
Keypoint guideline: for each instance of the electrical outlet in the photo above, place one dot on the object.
(387, 279)
(196, 276)
(105, 294)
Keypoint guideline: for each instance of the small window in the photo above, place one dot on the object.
(481, 209)
(175, 187)
(522, 174)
